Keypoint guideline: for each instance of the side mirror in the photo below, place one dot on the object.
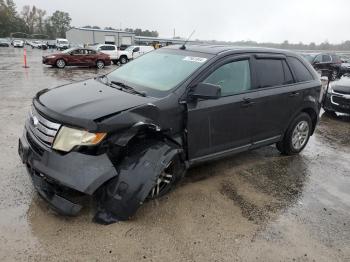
(206, 91)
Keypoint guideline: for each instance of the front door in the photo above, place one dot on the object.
(222, 125)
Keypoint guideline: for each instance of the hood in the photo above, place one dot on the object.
(86, 101)
(342, 85)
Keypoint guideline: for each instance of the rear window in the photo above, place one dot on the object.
(302, 74)
(107, 48)
(271, 72)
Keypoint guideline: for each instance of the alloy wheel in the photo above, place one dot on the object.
(100, 64)
(163, 182)
(300, 135)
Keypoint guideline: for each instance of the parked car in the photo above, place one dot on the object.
(345, 68)
(18, 43)
(4, 43)
(135, 51)
(328, 64)
(112, 50)
(77, 57)
(337, 98)
(62, 44)
(130, 135)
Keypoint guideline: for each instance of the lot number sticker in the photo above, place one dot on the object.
(195, 59)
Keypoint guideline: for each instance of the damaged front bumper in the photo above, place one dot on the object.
(64, 180)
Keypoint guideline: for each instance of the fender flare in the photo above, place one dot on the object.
(121, 196)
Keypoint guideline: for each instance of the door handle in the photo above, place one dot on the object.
(294, 94)
(247, 102)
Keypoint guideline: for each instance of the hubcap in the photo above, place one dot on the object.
(162, 183)
(99, 64)
(300, 135)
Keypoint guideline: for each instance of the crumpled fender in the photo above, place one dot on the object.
(120, 197)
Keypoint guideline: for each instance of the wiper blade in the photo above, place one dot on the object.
(128, 88)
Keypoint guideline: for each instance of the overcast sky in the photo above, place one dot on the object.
(230, 20)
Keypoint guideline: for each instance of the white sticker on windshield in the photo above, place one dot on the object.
(195, 59)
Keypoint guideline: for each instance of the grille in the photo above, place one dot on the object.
(42, 128)
(341, 100)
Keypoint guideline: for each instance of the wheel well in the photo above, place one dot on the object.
(313, 117)
(123, 56)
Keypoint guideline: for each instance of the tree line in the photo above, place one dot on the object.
(32, 20)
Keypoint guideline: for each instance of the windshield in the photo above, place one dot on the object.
(159, 71)
(63, 42)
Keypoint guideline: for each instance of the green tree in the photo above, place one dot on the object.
(60, 22)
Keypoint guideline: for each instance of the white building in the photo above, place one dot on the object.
(81, 36)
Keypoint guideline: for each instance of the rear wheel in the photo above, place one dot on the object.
(100, 64)
(296, 136)
(60, 63)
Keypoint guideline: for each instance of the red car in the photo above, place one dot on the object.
(77, 57)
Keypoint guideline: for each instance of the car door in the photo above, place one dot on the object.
(275, 98)
(76, 57)
(224, 125)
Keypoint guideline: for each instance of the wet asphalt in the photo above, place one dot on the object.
(254, 206)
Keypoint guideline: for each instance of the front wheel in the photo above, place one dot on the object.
(60, 63)
(123, 59)
(167, 179)
(100, 64)
(296, 136)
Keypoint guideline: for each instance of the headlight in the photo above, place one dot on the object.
(50, 56)
(67, 138)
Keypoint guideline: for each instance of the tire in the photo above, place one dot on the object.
(170, 176)
(60, 63)
(100, 64)
(297, 135)
(123, 59)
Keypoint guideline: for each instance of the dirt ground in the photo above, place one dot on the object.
(255, 206)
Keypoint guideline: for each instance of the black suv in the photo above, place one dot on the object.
(329, 64)
(337, 98)
(129, 136)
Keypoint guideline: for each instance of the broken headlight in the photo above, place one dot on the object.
(67, 138)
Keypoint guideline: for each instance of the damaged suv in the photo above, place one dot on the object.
(129, 136)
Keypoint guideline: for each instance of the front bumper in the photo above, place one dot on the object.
(64, 180)
(47, 61)
(337, 103)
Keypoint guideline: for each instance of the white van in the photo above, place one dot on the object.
(62, 44)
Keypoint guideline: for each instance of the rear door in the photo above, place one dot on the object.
(223, 125)
(275, 98)
(90, 57)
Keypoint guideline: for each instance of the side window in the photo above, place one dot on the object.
(234, 77)
(90, 52)
(270, 72)
(103, 48)
(326, 58)
(301, 72)
(112, 48)
(136, 49)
